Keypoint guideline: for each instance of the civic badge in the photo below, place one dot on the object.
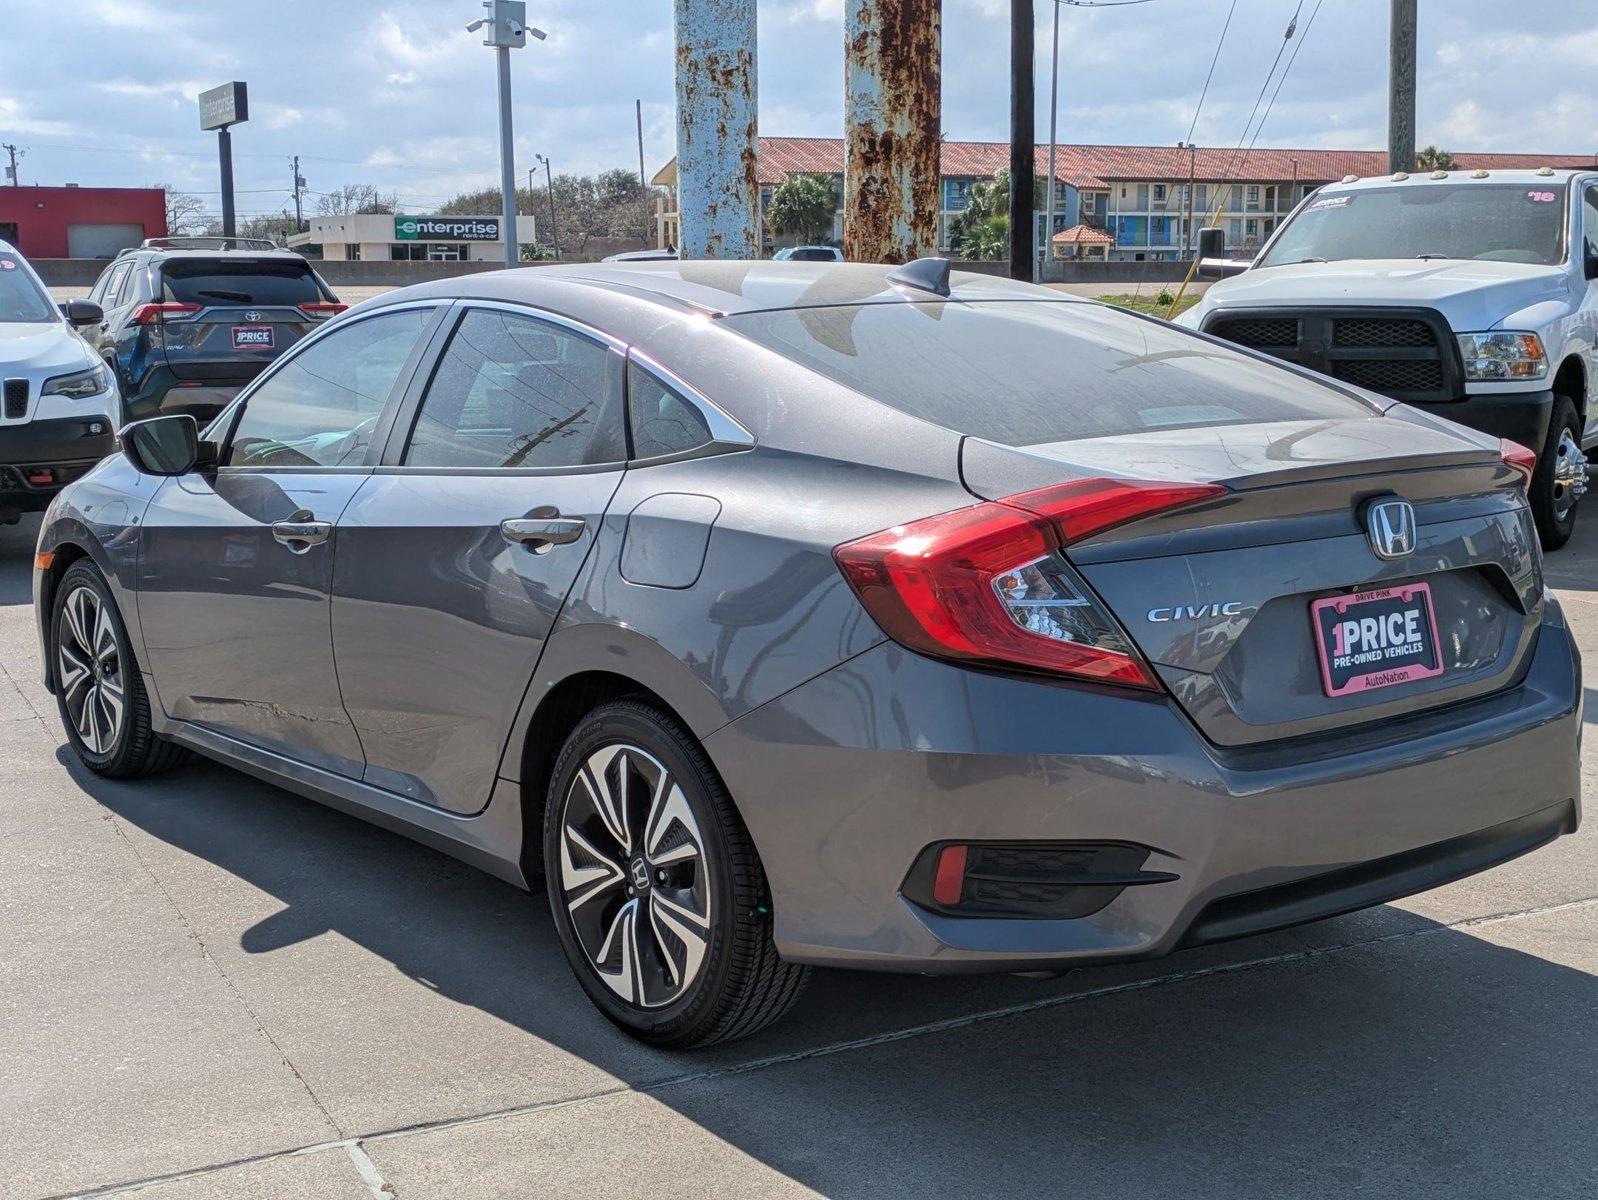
(1390, 525)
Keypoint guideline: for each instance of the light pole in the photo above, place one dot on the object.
(1054, 116)
(1187, 220)
(506, 29)
(549, 174)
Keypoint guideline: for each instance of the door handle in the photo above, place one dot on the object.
(300, 536)
(541, 534)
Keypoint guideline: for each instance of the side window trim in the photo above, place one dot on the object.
(392, 461)
(425, 345)
(726, 434)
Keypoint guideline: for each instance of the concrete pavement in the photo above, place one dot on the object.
(209, 987)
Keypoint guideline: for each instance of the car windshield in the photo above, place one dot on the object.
(1030, 373)
(213, 281)
(21, 299)
(1491, 222)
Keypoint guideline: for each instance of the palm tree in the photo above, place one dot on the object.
(803, 205)
(1433, 159)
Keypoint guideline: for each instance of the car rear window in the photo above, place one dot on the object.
(220, 282)
(1028, 373)
(21, 299)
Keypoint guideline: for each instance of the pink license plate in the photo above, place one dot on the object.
(1376, 639)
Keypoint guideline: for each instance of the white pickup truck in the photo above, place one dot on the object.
(1473, 295)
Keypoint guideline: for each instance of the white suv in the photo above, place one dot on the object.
(59, 407)
(1473, 295)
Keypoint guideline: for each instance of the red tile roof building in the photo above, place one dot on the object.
(1135, 193)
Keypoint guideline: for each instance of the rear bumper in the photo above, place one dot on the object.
(1520, 416)
(200, 393)
(62, 449)
(857, 771)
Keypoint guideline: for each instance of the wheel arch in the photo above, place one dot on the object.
(62, 556)
(1571, 381)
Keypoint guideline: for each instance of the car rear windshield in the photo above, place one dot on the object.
(1028, 373)
(21, 299)
(210, 281)
(1492, 222)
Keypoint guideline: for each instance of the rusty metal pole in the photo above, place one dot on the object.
(717, 135)
(893, 122)
(1023, 144)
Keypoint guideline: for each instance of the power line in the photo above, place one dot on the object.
(1217, 58)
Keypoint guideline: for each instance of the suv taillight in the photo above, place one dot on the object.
(1520, 458)
(988, 584)
(322, 308)
(150, 314)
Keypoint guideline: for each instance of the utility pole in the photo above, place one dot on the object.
(299, 185)
(549, 174)
(1023, 144)
(1401, 88)
(1187, 219)
(506, 29)
(718, 137)
(1054, 135)
(893, 124)
(11, 171)
(643, 184)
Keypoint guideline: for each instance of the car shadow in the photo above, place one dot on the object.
(1430, 1061)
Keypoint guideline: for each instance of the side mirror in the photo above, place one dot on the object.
(80, 313)
(1212, 242)
(163, 445)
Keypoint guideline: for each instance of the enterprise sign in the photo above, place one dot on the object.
(446, 229)
(224, 106)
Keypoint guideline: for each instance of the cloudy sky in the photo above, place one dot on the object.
(398, 94)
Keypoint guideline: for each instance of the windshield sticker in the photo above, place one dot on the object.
(7, 265)
(1342, 201)
(1541, 197)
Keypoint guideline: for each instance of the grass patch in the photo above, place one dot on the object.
(1155, 305)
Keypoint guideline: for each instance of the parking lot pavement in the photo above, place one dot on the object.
(209, 986)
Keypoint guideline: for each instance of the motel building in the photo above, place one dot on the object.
(390, 237)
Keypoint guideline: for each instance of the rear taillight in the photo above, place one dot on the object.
(987, 584)
(150, 314)
(1520, 458)
(322, 308)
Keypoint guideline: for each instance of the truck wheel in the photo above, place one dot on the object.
(1561, 477)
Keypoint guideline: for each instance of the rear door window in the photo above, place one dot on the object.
(1031, 372)
(514, 391)
(211, 282)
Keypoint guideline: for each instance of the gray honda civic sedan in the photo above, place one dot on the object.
(787, 614)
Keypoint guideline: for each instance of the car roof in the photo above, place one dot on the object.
(154, 254)
(724, 287)
(1526, 177)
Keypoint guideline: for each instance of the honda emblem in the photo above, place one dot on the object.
(1390, 525)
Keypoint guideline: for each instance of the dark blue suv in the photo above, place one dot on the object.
(185, 329)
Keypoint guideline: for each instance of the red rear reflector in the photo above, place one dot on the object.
(948, 882)
(41, 476)
(149, 314)
(1519, 458)
(188, 383)
(986, 585)
(322, 308)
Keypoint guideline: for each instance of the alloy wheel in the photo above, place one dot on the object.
(1570, 474)
(634, 877)
(90, 670)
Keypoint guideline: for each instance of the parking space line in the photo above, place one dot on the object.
(354, 1147)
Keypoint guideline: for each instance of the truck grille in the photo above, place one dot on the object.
(1409, 355)
(16, 401)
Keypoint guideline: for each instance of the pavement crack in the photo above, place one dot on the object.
(205, 952)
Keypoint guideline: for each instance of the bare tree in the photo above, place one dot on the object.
(354, 198)
(185, 213)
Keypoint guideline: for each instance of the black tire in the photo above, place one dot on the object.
(134, 750)
(740, 984)
(1547, 497)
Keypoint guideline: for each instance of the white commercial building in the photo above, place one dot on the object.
(385, 237)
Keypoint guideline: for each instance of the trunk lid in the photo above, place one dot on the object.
(1218, 596)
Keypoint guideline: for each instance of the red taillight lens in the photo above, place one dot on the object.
(150, 314)
(322, 308)
(1519, 457)
(985, 584)
(948, 879)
